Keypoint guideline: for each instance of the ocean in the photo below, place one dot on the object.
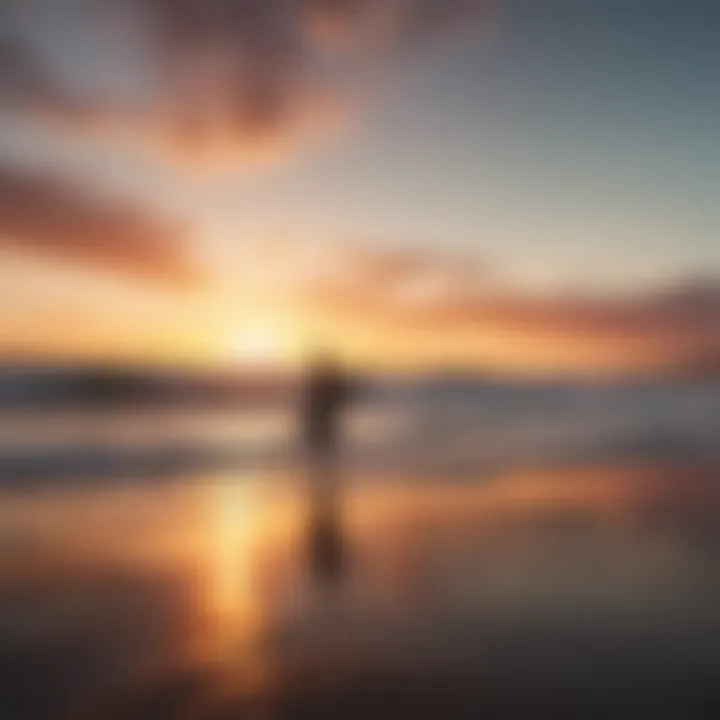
(506, 551)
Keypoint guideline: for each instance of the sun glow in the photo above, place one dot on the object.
(259, 343)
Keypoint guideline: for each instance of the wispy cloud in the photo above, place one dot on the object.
(44, 214)
(226, 80)
(453, 300)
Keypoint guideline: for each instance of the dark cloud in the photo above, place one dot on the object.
(229, 76)
(23, 81)
(29, 87)
(41, 214)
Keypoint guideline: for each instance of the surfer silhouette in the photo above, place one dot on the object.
(327, 392)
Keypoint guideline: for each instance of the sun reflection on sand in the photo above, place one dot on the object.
(209, 578)
(247, 534)
(230, 603)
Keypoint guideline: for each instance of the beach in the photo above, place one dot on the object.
(527, 552)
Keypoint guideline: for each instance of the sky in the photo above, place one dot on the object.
(525, 185)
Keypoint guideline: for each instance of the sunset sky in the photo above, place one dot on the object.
(525, 185)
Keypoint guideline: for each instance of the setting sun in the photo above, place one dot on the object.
(257, 343)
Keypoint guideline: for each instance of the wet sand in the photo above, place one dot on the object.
(576, 592)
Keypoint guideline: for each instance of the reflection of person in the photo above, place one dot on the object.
(325, 544)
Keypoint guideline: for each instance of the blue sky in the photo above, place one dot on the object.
(573, 144)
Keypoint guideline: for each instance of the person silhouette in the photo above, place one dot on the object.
(327, 392)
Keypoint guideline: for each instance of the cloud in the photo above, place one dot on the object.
(43, 214)
(664, 320)
(401, 280)
(23, 81)
(441, 295)
(222, 79)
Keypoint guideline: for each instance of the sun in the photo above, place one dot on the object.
(259, 343)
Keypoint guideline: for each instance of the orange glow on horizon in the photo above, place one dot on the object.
(76, 315)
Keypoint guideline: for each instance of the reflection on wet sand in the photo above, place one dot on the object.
(326, 552)
(209, 596)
